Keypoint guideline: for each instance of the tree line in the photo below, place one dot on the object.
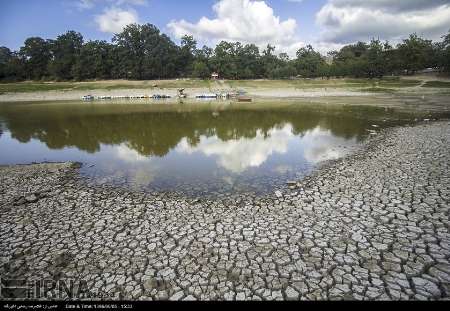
(142, 52)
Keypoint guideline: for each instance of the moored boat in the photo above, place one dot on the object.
(159, 96)
(87, 97)
(244, 99)
(210, 95)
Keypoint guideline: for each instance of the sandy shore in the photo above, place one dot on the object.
(255, 88)
(372, 226)
(260, 92)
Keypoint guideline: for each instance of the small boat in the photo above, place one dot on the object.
(87, 97)
(202, 96)
(104, 97)
(159, 96)
(244, 99)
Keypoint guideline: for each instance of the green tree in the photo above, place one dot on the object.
(200, 70)
(351, 60)
(376, 62)
(95, 61)
(12, 65)
(145, 53)
(204, 54)
(37, 54)
(445, 54)
(5, 59)
(352, 51)
(65, 50)
(186, 55)
(416, 53)
(269, 61)
(248, 62)
(223, 60)
(309, 62)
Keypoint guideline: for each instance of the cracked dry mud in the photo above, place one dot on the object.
(374, 225)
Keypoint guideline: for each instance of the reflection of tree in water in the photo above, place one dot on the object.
(156, 133)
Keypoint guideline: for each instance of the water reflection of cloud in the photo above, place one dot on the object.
(282, 169)
(129, 165)
(321, 145)
(228, 180)
(141, 177)
(237, 155)
(127, 154)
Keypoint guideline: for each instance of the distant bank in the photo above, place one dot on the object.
(55, 91)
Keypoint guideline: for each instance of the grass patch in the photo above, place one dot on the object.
(301, 83)
(259, 83)
(393, 82)
(400, 83)
(24, 87)
(33, 87)
(437, 84)
(377, 90)
(182, 83)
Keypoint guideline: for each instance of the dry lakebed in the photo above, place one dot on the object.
(371, 225)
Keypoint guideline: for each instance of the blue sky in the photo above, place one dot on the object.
(289, 24)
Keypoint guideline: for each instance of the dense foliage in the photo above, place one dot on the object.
(142, 52)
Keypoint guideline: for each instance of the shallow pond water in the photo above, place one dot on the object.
(192, 148)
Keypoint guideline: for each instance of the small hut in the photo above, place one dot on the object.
(214, 76)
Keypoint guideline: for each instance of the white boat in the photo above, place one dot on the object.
(87, 97)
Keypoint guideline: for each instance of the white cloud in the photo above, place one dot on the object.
(245, 21)
(347, 21)
(113, 20)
